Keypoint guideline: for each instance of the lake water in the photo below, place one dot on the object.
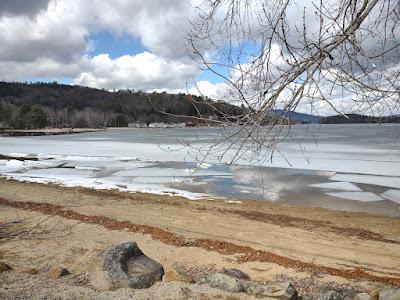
(344, 167)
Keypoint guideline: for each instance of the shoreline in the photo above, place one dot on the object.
(222, 201)
(306, 201)
(253, 235)
(45, 131)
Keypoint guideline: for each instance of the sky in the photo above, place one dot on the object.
(110, 44)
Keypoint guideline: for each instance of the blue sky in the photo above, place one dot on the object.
(113, 44)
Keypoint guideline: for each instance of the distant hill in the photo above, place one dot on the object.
(356, 118)
(295, 117)
(38, 105)
(35, 105)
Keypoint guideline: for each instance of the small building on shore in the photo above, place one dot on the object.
(137, 125)
(167, 125)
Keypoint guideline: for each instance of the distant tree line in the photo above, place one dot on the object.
(356, 118)
(38, 105)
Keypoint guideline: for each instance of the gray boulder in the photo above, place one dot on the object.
(281, 290)
(252, 288)
(223, 282)
(330, 293)
(236, 273)
(124, 266)
(389, 294)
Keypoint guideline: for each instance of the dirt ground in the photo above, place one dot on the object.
(42, 226)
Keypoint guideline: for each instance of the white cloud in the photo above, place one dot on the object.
(40, 67)
(146, 71)
(53, 43)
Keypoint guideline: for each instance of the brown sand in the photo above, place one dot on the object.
(263, 239)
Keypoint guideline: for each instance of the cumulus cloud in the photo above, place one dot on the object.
(56, 33)
(145, 70)
(62, 29)
(22, 7)
(56, 41)
(41, 67)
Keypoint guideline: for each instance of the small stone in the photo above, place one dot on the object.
(236, 273)
(223, 282)
(282, 291)
(374, 294)
(330, 295)
(279, 291)
(27, 270)
(252, 288)
(306, 297)
(362, 296)
(4, 267)
(57, 272)
(388, 293)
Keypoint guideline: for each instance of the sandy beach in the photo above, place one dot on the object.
(48, 225)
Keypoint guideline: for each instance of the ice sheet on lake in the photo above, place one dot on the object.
(359, 196)
(392, 195)
(44, 164)
(388, 181)
(160, 179)
(62, 174)
(12, 166)
(343, 186)
(159, 172)
(162, 190)
(138, 158)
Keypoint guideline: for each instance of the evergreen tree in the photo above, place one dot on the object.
(120, 121)
(36, 117)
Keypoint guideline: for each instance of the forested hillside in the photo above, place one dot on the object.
(41, 105)
(356, 118)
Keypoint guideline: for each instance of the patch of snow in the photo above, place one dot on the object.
(388, 181)
(392, 195)
(44, 164)
(339, 185)
(359, 196)
(233, 201)
(159, 179)
(204, 165)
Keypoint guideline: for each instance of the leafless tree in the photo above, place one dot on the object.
(288, 54)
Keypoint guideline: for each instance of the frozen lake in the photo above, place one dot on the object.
(345, 167)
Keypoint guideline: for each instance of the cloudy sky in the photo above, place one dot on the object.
(110, 44)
